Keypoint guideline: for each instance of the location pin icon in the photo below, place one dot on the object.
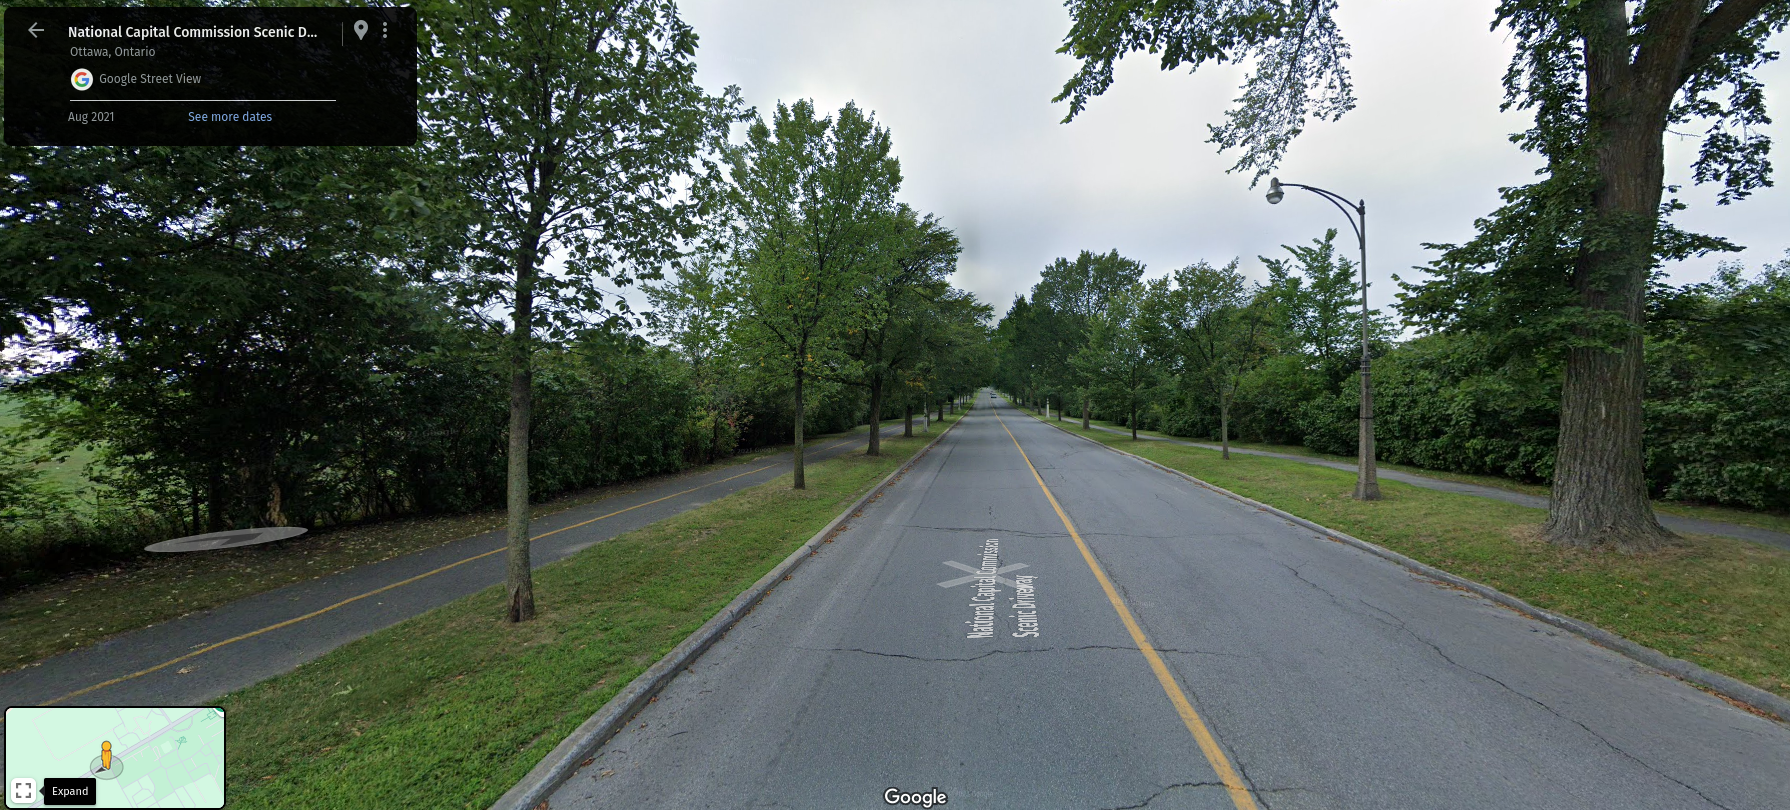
(360, 29)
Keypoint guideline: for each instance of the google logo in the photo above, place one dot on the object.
(82, 79)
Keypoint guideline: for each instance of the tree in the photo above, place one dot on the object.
(1117, 361)
(807, 204)
(1209, 328)
(1012, 338)
(1297, 50)
(918, 254)
(1718, 380)
(1316, 298)
(565, 134)
(1564, 264)
(690, 312)
(209, 316)
(949, 337)
(1077, 292)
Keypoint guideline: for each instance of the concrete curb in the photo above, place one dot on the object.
(1724, 686)
(566, 758)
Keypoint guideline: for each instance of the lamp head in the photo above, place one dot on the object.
(1274, 191)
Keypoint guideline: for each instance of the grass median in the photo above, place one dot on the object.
(451, 708)
(1774, 521)
(1715, 601)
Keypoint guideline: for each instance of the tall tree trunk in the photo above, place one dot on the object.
(214, 500)
(941, 411)
(1084, 411)
(907, 415)
(1133, 423)
(714, 434)
(1600, 488)
(276, 508)
(876, 417)
(1224, 427)
(801, 479)
(519, 583)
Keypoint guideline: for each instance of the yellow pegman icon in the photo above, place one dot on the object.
(105, 756)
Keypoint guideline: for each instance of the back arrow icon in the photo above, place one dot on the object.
(34, 29)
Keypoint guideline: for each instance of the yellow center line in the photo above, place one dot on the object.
(375, 592)
(1221, 764)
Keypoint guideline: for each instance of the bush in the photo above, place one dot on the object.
(1718, 388)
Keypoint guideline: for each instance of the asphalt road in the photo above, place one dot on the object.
(1677, 523)
(261, 636)
(1320, 676)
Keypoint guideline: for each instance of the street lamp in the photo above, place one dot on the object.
(1367, 476)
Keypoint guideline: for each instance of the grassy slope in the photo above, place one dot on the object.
(1715, 601)
(1724, 514)
(68, 472)
(478, 703)
(44, 620)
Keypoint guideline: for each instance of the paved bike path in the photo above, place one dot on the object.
(315, 619)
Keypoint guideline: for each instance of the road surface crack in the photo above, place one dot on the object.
(986, 530)
(1393, 621)
(920, 657)
(1134, 536)
(1262, 794)
(1588, 730)
(1158, 794)
(1161, 650)
(1389, 620)
(1019, 652)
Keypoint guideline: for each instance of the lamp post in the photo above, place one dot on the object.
(1367, 476)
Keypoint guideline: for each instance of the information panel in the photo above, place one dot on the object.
(115, 756)
(210, 76)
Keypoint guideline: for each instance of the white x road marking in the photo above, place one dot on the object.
(976, 573)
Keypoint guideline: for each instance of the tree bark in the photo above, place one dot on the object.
(714, 434)
(519, 583)
(1599, 496)
(907, 415)
(876, 417)
(1084, 412)
(801, 480)
(276, 511)
(214, 500)
(1224, 427)
(1133, 422)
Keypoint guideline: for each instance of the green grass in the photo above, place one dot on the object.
(1721, 514)
(68, 472)
(1715, 601)
(55, 617)
(478, 703)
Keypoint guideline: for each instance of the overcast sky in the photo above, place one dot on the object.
(965, 88)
